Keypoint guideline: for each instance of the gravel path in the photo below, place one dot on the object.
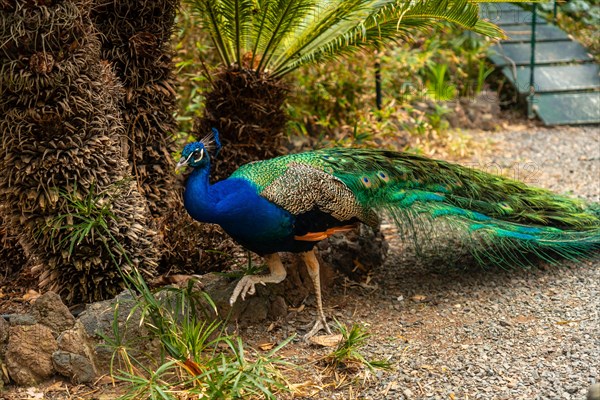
(453, 330)
(461, 332)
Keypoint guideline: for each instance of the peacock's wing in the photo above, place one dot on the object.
(303, 188)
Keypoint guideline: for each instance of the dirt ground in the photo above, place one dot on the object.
(450, 329)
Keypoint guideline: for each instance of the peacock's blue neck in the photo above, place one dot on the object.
(198, 197)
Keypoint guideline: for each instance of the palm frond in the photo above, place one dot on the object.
(283, 19)
(464, 13)
(336, 19)
(238, 18)
(211, 12)
(282, 35)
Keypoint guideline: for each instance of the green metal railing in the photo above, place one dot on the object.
(530, 97)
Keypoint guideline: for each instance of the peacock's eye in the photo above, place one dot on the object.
(198, 154)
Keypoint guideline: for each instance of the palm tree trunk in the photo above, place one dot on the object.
(12, 258)
(63, 164)
(247, 109)
(137, 42)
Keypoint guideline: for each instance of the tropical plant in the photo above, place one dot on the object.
(62, 153)
(260, 42)
(347, 353)
(200, 359)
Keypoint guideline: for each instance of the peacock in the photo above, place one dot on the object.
(290, 203)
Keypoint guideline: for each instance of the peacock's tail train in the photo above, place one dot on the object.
(510, 220)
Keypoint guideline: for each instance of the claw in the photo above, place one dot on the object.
(244, 287)
(320, 323)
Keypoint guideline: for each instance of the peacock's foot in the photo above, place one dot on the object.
(246, 286)
(320, 324)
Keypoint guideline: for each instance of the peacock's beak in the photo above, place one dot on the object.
(182, 163)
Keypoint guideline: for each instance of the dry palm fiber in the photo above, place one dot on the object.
(12, 256)
(63, 160)
(136, 41)
(246, 108)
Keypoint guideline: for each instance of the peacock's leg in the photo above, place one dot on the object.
(312, 264)
(246, 285)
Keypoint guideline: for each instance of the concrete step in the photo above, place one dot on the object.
(568, 108)
(543, 33)
(545, 53)
(556, 78)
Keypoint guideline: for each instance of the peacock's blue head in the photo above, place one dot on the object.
(193, 154)
(196, 154)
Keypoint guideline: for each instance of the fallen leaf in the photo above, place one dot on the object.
(177, 279)
(266, 346)
(56, 386)
(298, 309)
(327, 340)
(419, 297)
(522, 319)
(569, 321)
(358, 265)
(34, 393)
(31, 295)
(105, 380)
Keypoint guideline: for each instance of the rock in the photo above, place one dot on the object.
(29, 354)
(21, 319)
(49, 310)
(256, 309)
(98, 320)
(270, 301)
(480, 112)
(75, 340)
(76, 367)
(220, 288)
(594, 392)
(79, 365)
(3, 331)
(278, 307)
(354, 253)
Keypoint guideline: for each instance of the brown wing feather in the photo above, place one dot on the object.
(303, 188)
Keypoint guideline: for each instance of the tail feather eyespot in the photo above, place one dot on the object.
(366, 181)
(383, 176)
